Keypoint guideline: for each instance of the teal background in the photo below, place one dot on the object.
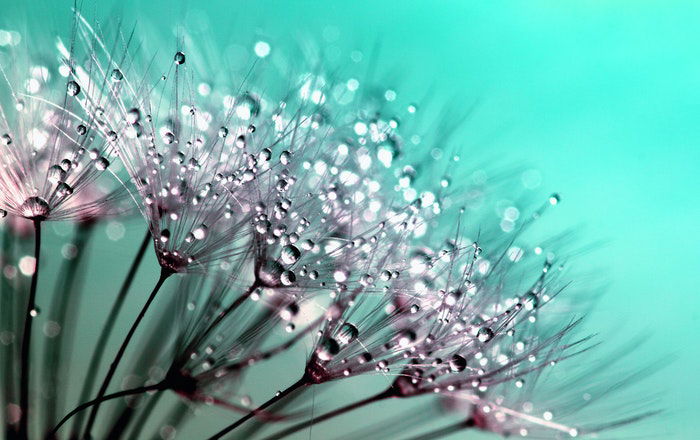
(603, 97)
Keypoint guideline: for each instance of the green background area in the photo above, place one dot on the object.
(602, 97)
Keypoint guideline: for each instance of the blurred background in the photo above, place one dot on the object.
(602, 98)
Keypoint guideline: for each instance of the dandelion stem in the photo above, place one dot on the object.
(279, 396)
(82, 406)
(22, 430)
(8, 313)
(98, 353)
(447, 430)
(331, 414)
(164, 275)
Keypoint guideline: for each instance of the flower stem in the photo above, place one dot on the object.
(279, 396)
(98, 353)
(23, 429)
(164, 275)
(8, 313)
(130, 392)
(329, 415)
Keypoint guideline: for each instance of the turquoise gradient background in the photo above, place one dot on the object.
(603, 97)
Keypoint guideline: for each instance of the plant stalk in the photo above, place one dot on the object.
(279, 396)
(331, 414)
(23, 428)
(98, 353)
(164, 275)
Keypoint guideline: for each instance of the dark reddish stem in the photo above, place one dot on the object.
(23, 429)
(98, 353)
(278, 397)
(130, 392)
(164, 275)
(329, 415)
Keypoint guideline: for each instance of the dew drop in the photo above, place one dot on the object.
(6, 139)
(223, 132)
(554, 199)
(284, 157)
(81, 129)
(179, 58)
(133, 116)
(531, 301)
(101, 163)
(346, 334)
(327, 349)
(288, 278)
(73, 88)
(117, 75)
(56, 174)
(200, 232)
(406, 338)
(458, 363)
(34, 208)
(290, 254)
(168, 138)
(288, 313)
(164, 235)
(63, 189)
(484, 334)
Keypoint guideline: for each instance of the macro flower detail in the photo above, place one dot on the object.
(311, 228)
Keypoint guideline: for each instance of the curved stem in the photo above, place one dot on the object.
(279, 396)
(8, 316)
(98, 353)
(164, 274)
(329, 415)
(130, 392)
(23, 432)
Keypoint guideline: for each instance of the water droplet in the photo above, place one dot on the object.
(484, 334)
(3, 213)
(164, 235)
(81, 129)
(101, 163)
(168, 138)
(200, 232)
(179, 58)
(284, 157)
(554, 199)
(458, 363)
(34, 208)
(63, 189)
(133, 116)
(346, 334)
(531, 301)
(6, 139)
(223, 132)
(34, 312)
(56, 174)
(288, 313)
(290, 254)
(288, 278)
(327, 349)
(73, 88)
(406, 338)
(117, 75)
